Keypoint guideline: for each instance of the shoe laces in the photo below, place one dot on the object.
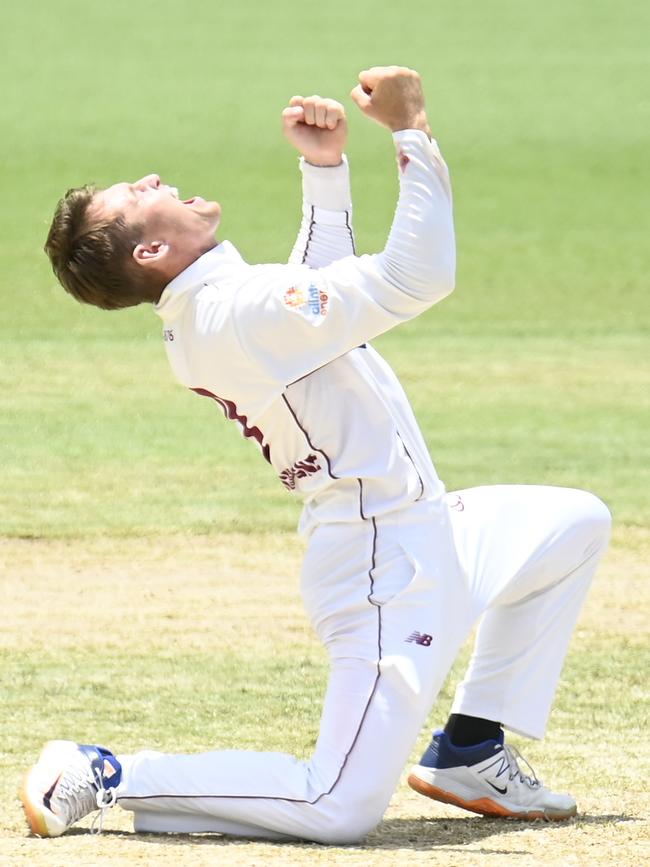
(81, 791)
(106, 799)
(514, 757)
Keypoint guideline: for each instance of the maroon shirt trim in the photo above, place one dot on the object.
(231, 412)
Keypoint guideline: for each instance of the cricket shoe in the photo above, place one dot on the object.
(68, 782)
(486, 779)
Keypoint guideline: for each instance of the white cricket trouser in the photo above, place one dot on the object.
(392, 599)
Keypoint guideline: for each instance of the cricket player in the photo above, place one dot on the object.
(397, 571)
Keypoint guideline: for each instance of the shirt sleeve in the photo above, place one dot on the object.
(284, 321)
(325, 233)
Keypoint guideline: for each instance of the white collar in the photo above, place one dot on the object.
(207, 268)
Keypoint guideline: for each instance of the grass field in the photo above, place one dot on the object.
(123, 498)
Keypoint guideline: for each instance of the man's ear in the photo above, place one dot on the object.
(150, 253)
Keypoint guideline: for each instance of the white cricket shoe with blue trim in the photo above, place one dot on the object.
(68, 782)
(486, 779)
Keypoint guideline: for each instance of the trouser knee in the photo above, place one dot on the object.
(349, 822)
(598, 518)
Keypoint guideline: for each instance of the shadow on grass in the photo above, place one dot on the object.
(455, 834)
(415, 834)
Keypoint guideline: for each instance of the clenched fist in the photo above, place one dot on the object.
(393, 96)
(317, 127)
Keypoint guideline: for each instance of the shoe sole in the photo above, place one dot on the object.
(35, 819)
(41, 821)
(486, 806)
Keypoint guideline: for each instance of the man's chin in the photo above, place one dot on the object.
(215, 222)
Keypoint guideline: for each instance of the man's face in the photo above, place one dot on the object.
(188, 227)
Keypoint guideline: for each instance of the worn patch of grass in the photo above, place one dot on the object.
(137, 645)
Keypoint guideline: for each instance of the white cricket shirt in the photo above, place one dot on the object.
(283, 349)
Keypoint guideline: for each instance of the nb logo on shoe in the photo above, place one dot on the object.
(420, 638)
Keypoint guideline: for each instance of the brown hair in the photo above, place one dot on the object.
(92, 259)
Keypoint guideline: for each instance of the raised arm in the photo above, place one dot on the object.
(317, 128)
(420, 255)
(288, 320)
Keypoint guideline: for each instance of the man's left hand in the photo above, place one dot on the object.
(317, 127)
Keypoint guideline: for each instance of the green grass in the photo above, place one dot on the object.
(117, 447)
(197, 694)
(535, 370)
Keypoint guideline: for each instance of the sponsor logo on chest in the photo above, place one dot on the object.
(314, 299)
(294, 297)
(318, 301)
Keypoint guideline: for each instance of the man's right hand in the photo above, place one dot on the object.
(317, 127)
(393, 96)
